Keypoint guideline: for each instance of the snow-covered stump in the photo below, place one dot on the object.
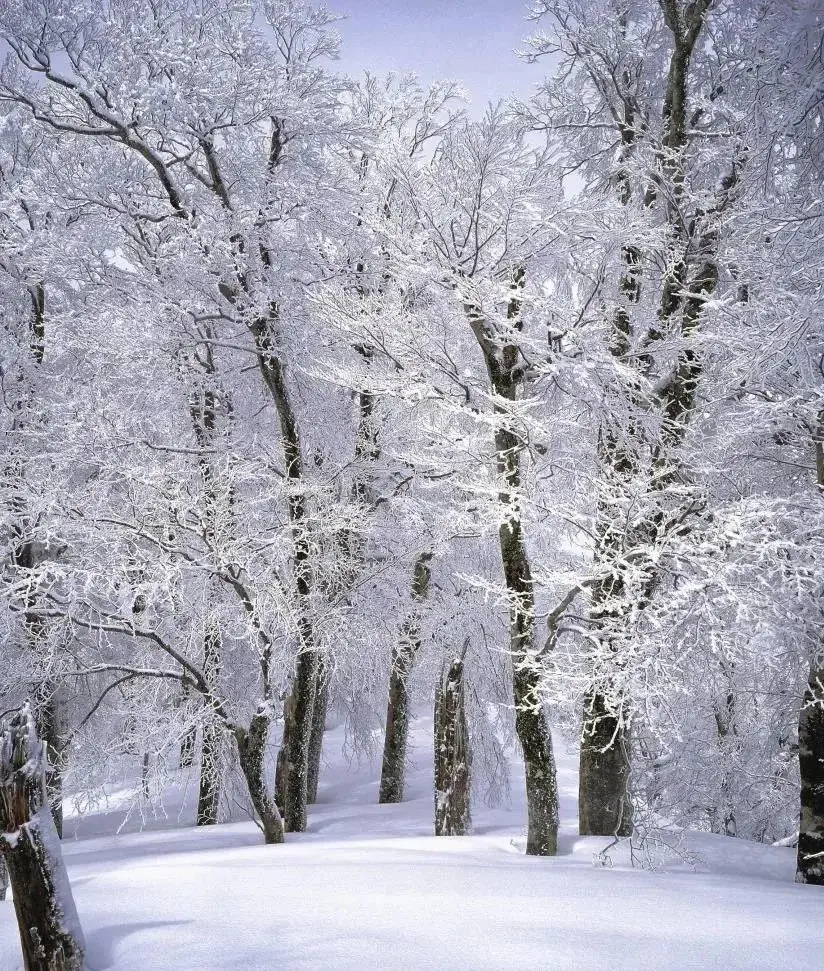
(50, 932)
(453, 756)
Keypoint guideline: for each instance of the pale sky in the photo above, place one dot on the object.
(467, 40)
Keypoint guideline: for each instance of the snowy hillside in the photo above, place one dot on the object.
(368, 887)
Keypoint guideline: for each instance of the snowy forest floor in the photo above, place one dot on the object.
(368, 887)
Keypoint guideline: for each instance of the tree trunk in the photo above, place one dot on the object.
(506, 377)
(299, 714)
(393, 767)
(187, 747)
(530, 724)
(211, 763)
(810, 866)
(725, 723)
(208, 796)
(604, 806)
(296, 762)
(318, 728)
(280, 763)
(453, 756)
(50, 932)
(251, 750)
(50, 718)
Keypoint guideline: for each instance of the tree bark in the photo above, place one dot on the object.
(211, 768)
(393, 766)
(208, 796)
(604, 805)
(50, 716)
(251, 749)
(50, 933)
(453, 756)
(506, 376)
(810, 862)
(296, 742)
(299, 713)
(318, 728)
(187, 747)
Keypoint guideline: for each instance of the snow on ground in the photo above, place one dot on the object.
(368, 889)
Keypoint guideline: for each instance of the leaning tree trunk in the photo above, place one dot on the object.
(453, 756)
(393, 766)
(50, 932)
(251, 750)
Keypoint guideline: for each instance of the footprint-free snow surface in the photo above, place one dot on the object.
(368, 887)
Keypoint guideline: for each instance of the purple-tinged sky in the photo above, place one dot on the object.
(467, 40)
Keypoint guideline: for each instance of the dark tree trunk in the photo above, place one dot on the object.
(50, 717)
(296, 747)
(204, 412)
(251, 750)
(211, 771)
(506, 375)
(453, 756)
(211, 763)
(187, 747)
(530, 724)
(604, 806)
(280, 762)
(722, 819)
(810, 867)
(144, 776)
(318, 728)
(297, 715)
(50, 933)
(393, 766)
(4, 877)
